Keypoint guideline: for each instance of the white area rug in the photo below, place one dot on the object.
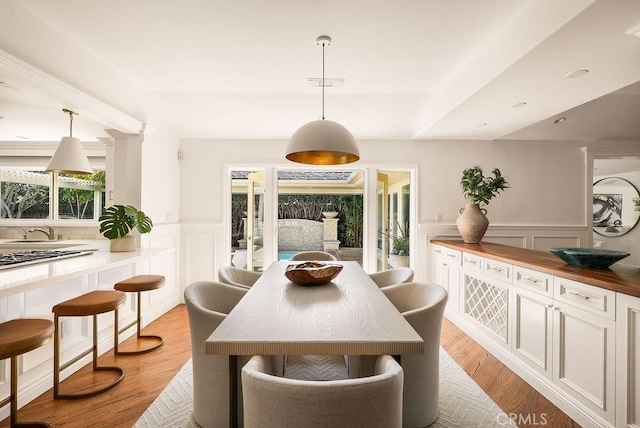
(462, 402)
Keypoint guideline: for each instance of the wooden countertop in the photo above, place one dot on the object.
(621, 278)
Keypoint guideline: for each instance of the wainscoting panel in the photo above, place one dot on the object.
(203, 250)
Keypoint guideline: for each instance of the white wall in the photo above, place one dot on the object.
(548, 184)
(545, 206)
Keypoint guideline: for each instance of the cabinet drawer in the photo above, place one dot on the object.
(497, 269)
(533, 280)
(452, 257)
(596, 300)
(472, 261)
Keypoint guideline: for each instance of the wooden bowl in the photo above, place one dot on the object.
(309, 274)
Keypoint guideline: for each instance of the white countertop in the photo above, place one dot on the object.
(20, 279)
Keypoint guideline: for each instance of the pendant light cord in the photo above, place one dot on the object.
(70, 124)
(322, 80)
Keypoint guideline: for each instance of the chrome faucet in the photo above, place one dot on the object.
(25, 234)
(50, 233)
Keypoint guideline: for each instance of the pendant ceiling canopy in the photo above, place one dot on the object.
(323, 142)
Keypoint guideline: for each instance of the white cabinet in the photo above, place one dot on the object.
(447, 273)
(532, 331)
(578, 343)
(628, 361)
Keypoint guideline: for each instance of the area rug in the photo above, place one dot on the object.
(462, 402)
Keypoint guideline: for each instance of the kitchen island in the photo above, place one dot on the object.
(573, 333)
(30, 291)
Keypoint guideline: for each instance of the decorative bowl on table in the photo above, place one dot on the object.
(312, 273)
(595, 258)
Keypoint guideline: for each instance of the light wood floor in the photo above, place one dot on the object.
(148, 374)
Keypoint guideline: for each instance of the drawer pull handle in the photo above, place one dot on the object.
(580, 295)
(473, 262)
(437, 251)
(496, 269)
(451, 255)
(528, 278)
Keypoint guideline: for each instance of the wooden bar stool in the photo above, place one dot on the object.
(137, 284)
(18, 337)
(92, 303)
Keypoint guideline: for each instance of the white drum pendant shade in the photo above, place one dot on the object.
(323, 142)
(70, 158)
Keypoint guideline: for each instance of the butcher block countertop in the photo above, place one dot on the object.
(619, 277)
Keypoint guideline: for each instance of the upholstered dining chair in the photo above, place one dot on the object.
(208, 303)
(392, 276)
(237, 277)
(313, 255)
(277, 402)
(422, 305)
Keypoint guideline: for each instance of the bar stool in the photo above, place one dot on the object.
(137, 284)
(18, 337)
(92, 303)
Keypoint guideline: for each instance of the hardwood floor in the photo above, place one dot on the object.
(148, 374)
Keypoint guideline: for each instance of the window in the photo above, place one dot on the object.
(30, 195)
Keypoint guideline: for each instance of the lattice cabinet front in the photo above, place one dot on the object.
(488, 304)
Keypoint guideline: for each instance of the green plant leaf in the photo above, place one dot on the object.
(115, 222)
(477, 188)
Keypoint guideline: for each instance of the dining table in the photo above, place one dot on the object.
(347, 316)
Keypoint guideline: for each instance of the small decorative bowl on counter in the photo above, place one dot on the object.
(309, 274)
(595, 258)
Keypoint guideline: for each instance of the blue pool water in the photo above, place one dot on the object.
(286, 255)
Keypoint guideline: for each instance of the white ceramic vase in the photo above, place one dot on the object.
(472, 223)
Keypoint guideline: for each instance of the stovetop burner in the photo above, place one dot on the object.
(22, 258)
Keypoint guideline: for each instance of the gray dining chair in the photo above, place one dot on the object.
(208, 303)
(277, 402)
(422, 305)
(392, 276)
(313, 256)
(237, 277)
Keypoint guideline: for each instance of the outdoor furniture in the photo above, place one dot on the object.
(313, 256)
(271, 401)
(208, 304)
(137, 284)
(237, 277)
(392, 276)
(277, 317)
(17, 337)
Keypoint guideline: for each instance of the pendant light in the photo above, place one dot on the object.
(323, 142)
(69, 157)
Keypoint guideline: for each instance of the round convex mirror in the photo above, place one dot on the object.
(614, 211)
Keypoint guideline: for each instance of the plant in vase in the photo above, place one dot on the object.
(399, 247)
(477, 189)
(118, 220)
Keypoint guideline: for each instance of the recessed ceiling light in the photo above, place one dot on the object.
(577, 73)
(481, 125)
(518, 105)
(560, 119)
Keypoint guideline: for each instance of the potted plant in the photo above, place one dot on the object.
(400, 245)
(477, 189)
(118, 220)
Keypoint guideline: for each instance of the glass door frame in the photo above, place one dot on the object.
(369, 239)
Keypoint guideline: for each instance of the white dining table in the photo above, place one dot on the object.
(348, 316)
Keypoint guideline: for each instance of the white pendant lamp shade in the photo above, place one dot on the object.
(69, 157)
(323, 142)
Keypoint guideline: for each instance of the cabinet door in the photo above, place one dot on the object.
(532, 330)
(486, 302)
(628, 361)
(584, 358)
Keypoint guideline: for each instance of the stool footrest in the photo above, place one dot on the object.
(127, 327)
(76, 359)
(142, 351)
(97, 391)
